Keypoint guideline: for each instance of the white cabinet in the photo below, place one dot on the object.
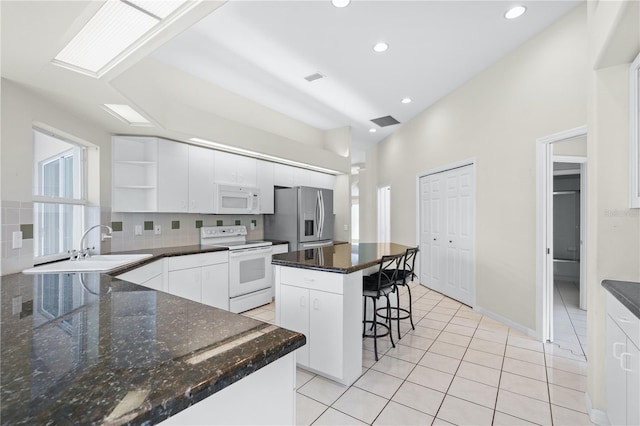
(290, 176)
(622, 364)
(234, 169)
(317, 315)
(276, 249)
(201, 179)
(326, 307)
(265, 179)
(283, 175)
(134, 174)
(200, 277)
(215, 285)
(149, 275)
(173, 176)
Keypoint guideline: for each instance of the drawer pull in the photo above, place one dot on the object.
(624, 320)
(623, 356)
(615, 346)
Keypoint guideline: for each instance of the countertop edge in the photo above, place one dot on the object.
(618, 290)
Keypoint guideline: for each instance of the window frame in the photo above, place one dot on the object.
(634, 139)
(79, 177)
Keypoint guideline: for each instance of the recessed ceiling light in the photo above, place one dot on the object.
(406, 100)
(127, 114)
(340, 3)
(116, 31)
(380, 47)
(372, 130)
(515, 12)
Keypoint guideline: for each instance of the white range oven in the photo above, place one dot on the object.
(250, 269)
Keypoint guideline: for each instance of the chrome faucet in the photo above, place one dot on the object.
(84, 253)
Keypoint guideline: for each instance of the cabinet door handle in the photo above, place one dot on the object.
(316, 304)
(623, 356)
(302, 302)
(624, 320)
(615, 346)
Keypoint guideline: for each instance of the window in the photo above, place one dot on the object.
(634, 122)
(59, 194)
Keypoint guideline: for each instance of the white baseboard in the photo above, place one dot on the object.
(507, 322)
(598, 417)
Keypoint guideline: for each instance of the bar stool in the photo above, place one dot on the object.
(375, 286)
(404, 276)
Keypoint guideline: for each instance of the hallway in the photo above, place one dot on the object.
(569, 321)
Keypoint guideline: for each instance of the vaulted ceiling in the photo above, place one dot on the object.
(261, 52)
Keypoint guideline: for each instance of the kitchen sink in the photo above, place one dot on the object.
(97, 263)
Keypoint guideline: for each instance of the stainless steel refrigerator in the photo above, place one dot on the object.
(303, 217)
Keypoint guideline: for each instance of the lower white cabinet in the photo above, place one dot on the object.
(149, 275)
(622, 364)
(201, 277)
(326, 307)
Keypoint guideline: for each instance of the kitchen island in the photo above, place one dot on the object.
(93, 349)
(318, 293)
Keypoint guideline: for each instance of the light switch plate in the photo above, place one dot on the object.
(346, 227)
(157, 229)
(17, 240)
(138, 230)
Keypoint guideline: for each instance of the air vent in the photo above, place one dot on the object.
(385, 121)
(314, 77)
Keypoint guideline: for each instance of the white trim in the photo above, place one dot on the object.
(576, 159)
(544, 228)
(521, 328)
(634, 134)
(598, 417)
(450, 166)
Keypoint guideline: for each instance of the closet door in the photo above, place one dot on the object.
(446, 234)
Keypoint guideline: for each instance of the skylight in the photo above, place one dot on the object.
(128, 115)
(116, 31)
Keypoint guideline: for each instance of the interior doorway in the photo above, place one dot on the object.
(569, 295)
(561, 249)
(384, 214)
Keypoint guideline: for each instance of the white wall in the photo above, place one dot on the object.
(538, 89)
(614, 228)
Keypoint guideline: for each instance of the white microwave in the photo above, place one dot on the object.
(236, 199)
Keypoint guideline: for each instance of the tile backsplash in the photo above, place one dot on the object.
(175, 229)
(17, 216)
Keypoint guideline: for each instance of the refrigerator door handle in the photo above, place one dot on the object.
(318, 214)
(321, 213)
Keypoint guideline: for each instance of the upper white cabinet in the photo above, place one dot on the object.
(234, 169)
(265, 180)
(283, 175)
(134, 174)
(201, 179)
(173, 176)
(160, 175)
(290, 176)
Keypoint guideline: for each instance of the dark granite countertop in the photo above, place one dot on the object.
(159, 253)
(627, 293)
(93, 349)
(341, 258)
(276, 242)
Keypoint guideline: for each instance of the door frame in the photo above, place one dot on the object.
(387, 213)
(450, 166)
(544, 228)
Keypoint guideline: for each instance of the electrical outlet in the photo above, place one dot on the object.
(346, 227)
(157, 229)
(17, 240)
(137, 230)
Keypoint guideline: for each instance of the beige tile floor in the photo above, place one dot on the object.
(457, 367)
(569, 321)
